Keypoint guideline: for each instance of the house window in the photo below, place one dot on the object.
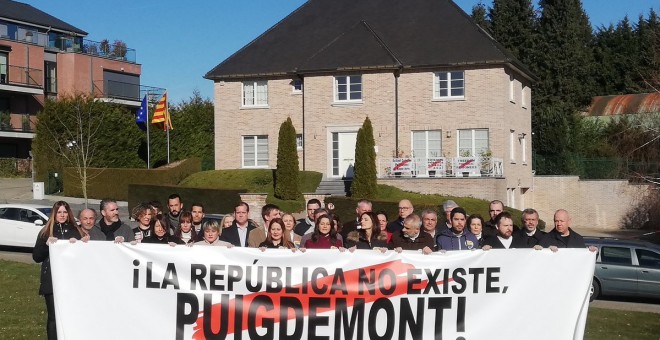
(512, 145)
(255, 151)
(348, 88)
(427, 144)
(472, 142)
(297, 86)
(523, 97)
(50, 77)
(4, 77)
(449, 85)
(512, 86)
(255, 93)
(523, 147)
(299, 141)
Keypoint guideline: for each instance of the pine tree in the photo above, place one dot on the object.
(364, 177)
(286, 173)
(513, 23)
(479, 12)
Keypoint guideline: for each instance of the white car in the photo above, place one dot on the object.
(20, 223)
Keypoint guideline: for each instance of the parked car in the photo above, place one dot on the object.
(653, 237)
(625, 268)
(20, 223)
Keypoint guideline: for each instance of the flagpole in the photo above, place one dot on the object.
(167, 125)
(148, 123)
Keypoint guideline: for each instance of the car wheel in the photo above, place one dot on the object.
(594, 291)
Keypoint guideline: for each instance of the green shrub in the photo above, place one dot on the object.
(214, 200)
(114, 182)
(286, 172)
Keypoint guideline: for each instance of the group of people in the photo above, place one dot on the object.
(320, 229)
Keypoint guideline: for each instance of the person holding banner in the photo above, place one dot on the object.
(325, 235)
(160, 232)
(457, 238)
(277, 236)
(289, 226)
(476, 224)
(185, 232)
(382, 222)
(369, 236)
(86, 220)
(110, 227)
(143, 214)
(411, 237)
(60, 226)
(238, 233)
(562, 236)
(505, 238)
(212, 231)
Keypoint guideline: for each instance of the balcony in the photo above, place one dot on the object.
(407, 167)
(64, 43)
(19, 127)
(21, 79)
(125, 93)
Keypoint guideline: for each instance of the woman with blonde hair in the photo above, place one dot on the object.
(289, 224)
(212, 232)
(60, 226)
(227, 221)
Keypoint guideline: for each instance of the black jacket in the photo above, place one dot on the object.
(553, 238)
(395, 226)
(301, 227)
(423, 240)
(358, 239)
(531, 241)
(41, 253)
(517, 242)
(231, 234)
(162, 240)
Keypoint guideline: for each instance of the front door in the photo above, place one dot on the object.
(343, 154)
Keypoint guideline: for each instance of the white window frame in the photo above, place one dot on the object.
(426, 142)
(512, 146)
(294, 83)
(299, 142)
(350, 80)
(512, 88)
(523, 97)
(473, 149)
(523, 149)
(449, 96)
(254, 98)
(255, 154)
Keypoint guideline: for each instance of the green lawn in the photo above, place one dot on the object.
(22, 311)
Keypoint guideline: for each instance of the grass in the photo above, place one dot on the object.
(22, 311)
(615, 324)
(256, 181)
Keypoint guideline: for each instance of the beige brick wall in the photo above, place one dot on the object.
(592, 203)
(486, 105)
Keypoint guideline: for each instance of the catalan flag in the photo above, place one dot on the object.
(161, 116)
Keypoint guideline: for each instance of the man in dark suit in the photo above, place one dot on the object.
(530, 232)
(505, 237)
(237, 233)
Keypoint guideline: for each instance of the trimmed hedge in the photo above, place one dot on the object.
(216, 201)
(114, 182)
(345, 209)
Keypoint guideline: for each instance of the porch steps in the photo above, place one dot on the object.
(335, 187)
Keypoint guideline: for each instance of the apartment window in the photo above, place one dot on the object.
(255, 151)
(50, 77)
(255, 93)
(427, 144)
(512, 145)
(449, 85)
(297, 86)
(472, 142)
(348, 88)
(4, 61)
(299, 141)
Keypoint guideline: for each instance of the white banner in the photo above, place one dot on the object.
(146, 291)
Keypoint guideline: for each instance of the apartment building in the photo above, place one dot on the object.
(446, 101)
(43, 57)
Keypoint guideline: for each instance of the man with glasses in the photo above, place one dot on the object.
(405, 209)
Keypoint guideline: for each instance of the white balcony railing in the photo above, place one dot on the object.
(440, 167)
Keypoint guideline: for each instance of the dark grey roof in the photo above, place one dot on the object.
(26, 13)
(331, 35)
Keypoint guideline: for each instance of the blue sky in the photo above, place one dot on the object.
(178, 42)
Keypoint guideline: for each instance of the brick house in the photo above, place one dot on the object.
(450, 107)
(43, 57)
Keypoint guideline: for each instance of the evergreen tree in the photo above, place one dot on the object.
(479, 12)
(193, 130)
(513, 23)
(286, 173)
(364, 177)
(648, 37)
